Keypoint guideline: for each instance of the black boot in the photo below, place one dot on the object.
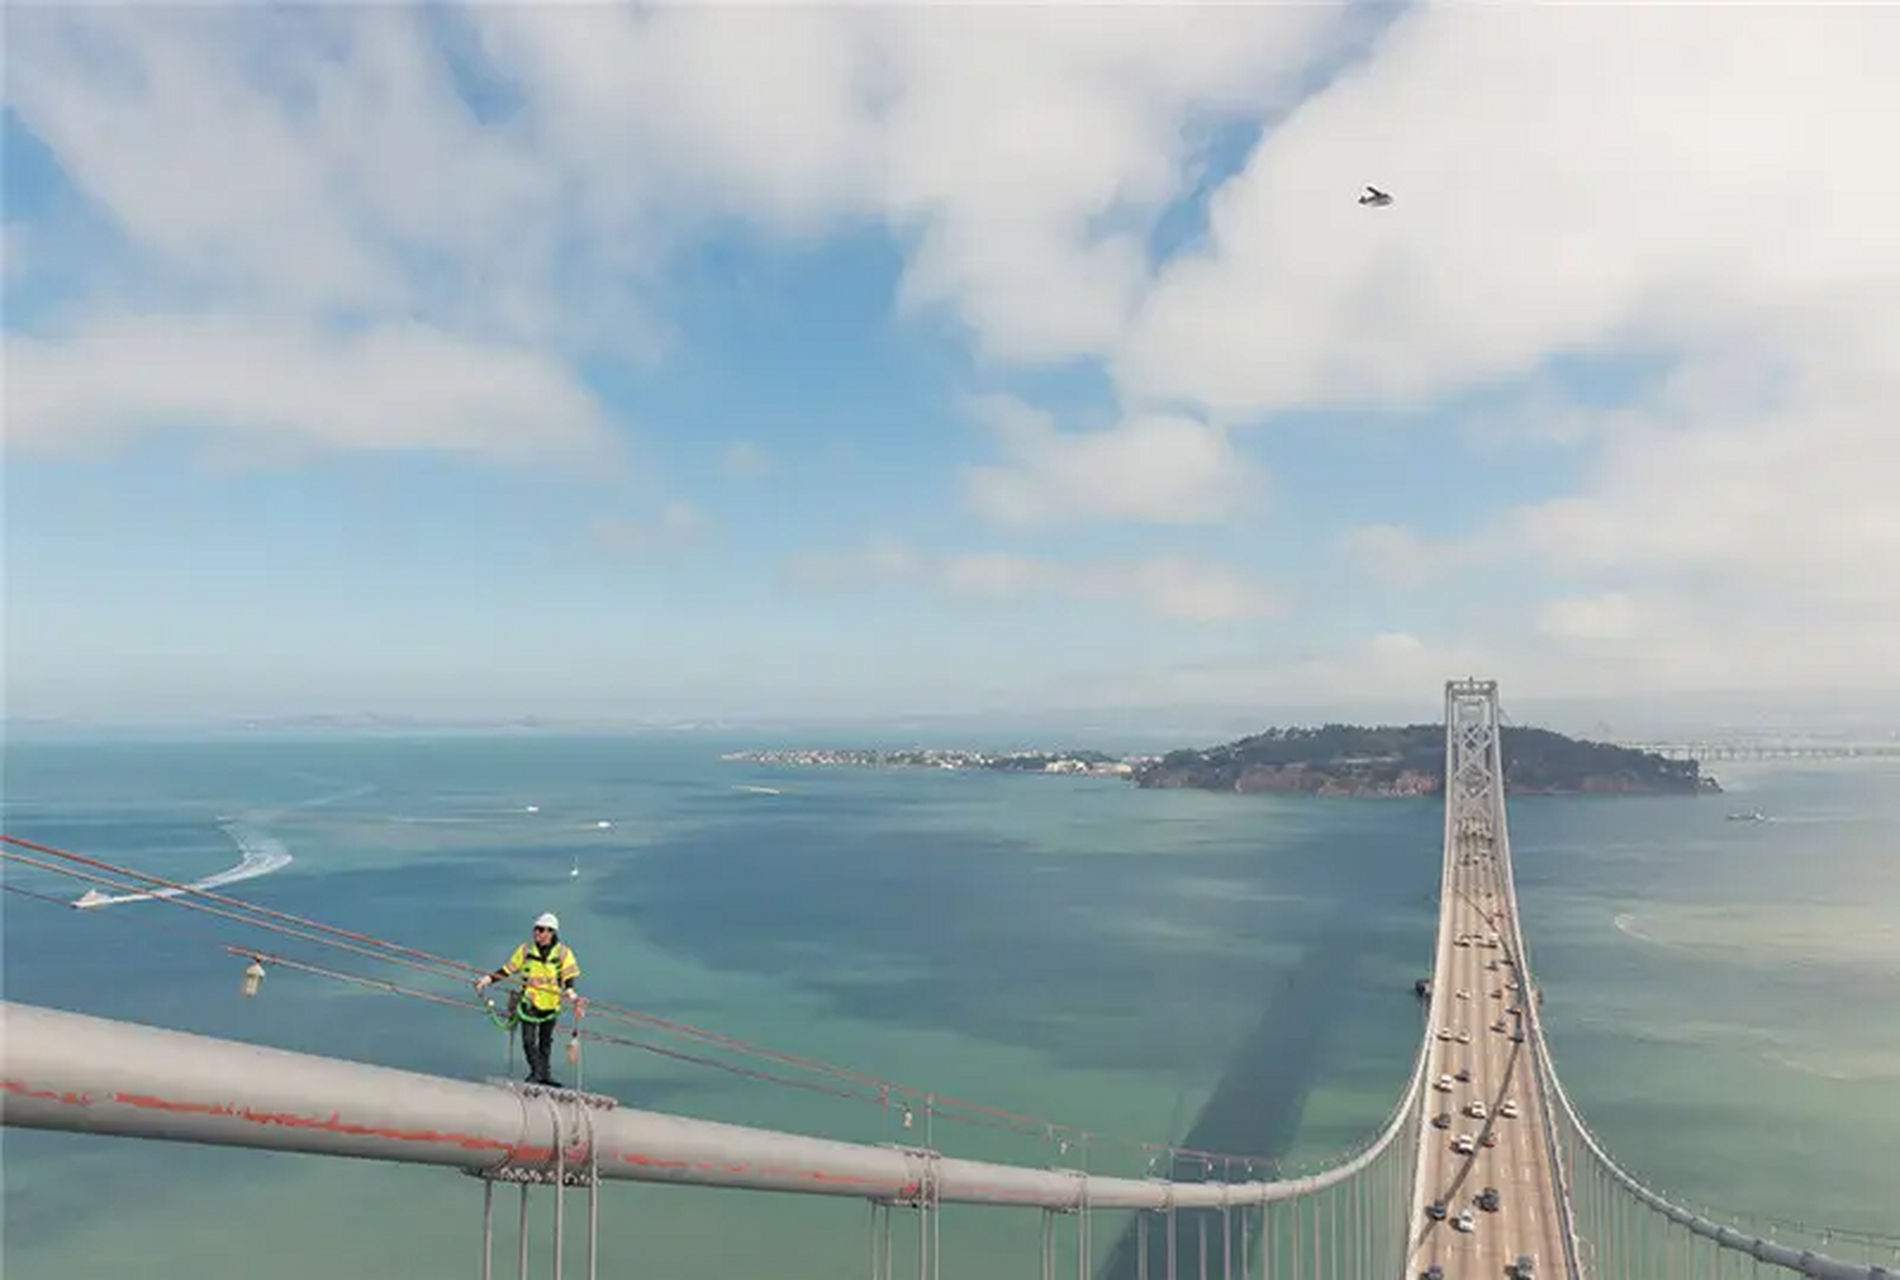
(538, 1040)
(535, 1050)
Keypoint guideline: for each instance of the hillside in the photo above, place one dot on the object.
(1409, 760)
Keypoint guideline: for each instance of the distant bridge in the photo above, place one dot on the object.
(1768, 750)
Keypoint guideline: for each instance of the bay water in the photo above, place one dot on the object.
(1723, 997)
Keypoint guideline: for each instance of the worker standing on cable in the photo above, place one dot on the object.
(549, 971)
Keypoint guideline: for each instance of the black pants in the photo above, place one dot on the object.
(537, 1042)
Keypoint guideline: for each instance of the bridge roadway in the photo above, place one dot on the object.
(1476, 989)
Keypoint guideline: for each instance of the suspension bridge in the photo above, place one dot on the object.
(1793, 749)
(1484, 1167)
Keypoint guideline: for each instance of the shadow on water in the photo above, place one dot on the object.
(1257, 1105)
(966, 932)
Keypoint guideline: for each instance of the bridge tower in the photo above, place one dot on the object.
(1474, 758)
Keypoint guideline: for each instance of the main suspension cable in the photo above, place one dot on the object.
(942, 1106)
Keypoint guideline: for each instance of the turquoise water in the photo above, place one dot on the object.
(1724, 997)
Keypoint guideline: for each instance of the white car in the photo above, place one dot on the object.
(1444, 1033)
(1463, 1144)
(1466, 1222)
(1442, 1084)
(1508, 1109)
(1475, 1109)
(1464, 1037)
(1464, 995)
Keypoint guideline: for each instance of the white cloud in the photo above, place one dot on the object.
(319, 165)
(1398, 556)
(1174, 588)
(743, 458)
(1021, 133)
(1610, 616)
(1569, 186)
(678, 525)
(995, 577)
(1188, 590)
(314, 162)
(881, 561)
(1155, 468)
(1681, 184)
(1391, 668)
(396, 387)
(331, 248)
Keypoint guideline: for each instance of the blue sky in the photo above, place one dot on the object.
(714, 363)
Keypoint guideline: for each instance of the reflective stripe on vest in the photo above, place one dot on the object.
(542, 997)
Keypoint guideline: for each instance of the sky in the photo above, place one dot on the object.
(590, 360)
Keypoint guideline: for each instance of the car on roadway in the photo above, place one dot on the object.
(1433, 1272)
(1466, 1222)
(1442, 1120)
(1464, 1075)
(1508, 1108)
(1489, 1200)
(1500, 1026)
(1463, 994)
(1464, 1037)
(1475, 1108)
(1442, 1084)
(1444, 1033)
(1490, 1137)
(1523, 1268)
(1435, 1211)
(1463, 1145)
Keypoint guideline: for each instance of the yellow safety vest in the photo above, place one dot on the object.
(546, 975)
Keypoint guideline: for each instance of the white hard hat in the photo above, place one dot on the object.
(548, 920)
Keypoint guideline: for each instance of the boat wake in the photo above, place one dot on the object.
(261, 855)
(1626, 925)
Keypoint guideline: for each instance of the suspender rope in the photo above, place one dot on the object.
(1172, 1237)
(593, 1195)
(524, 1232)
(488, 1229)
(1084, 1242)
(923, 1212)
(560, 1184)
(1226, 1243)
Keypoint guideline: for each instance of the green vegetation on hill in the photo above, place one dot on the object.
(1338, 759)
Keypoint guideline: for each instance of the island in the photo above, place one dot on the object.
(1409, 760)
(1026, 760)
